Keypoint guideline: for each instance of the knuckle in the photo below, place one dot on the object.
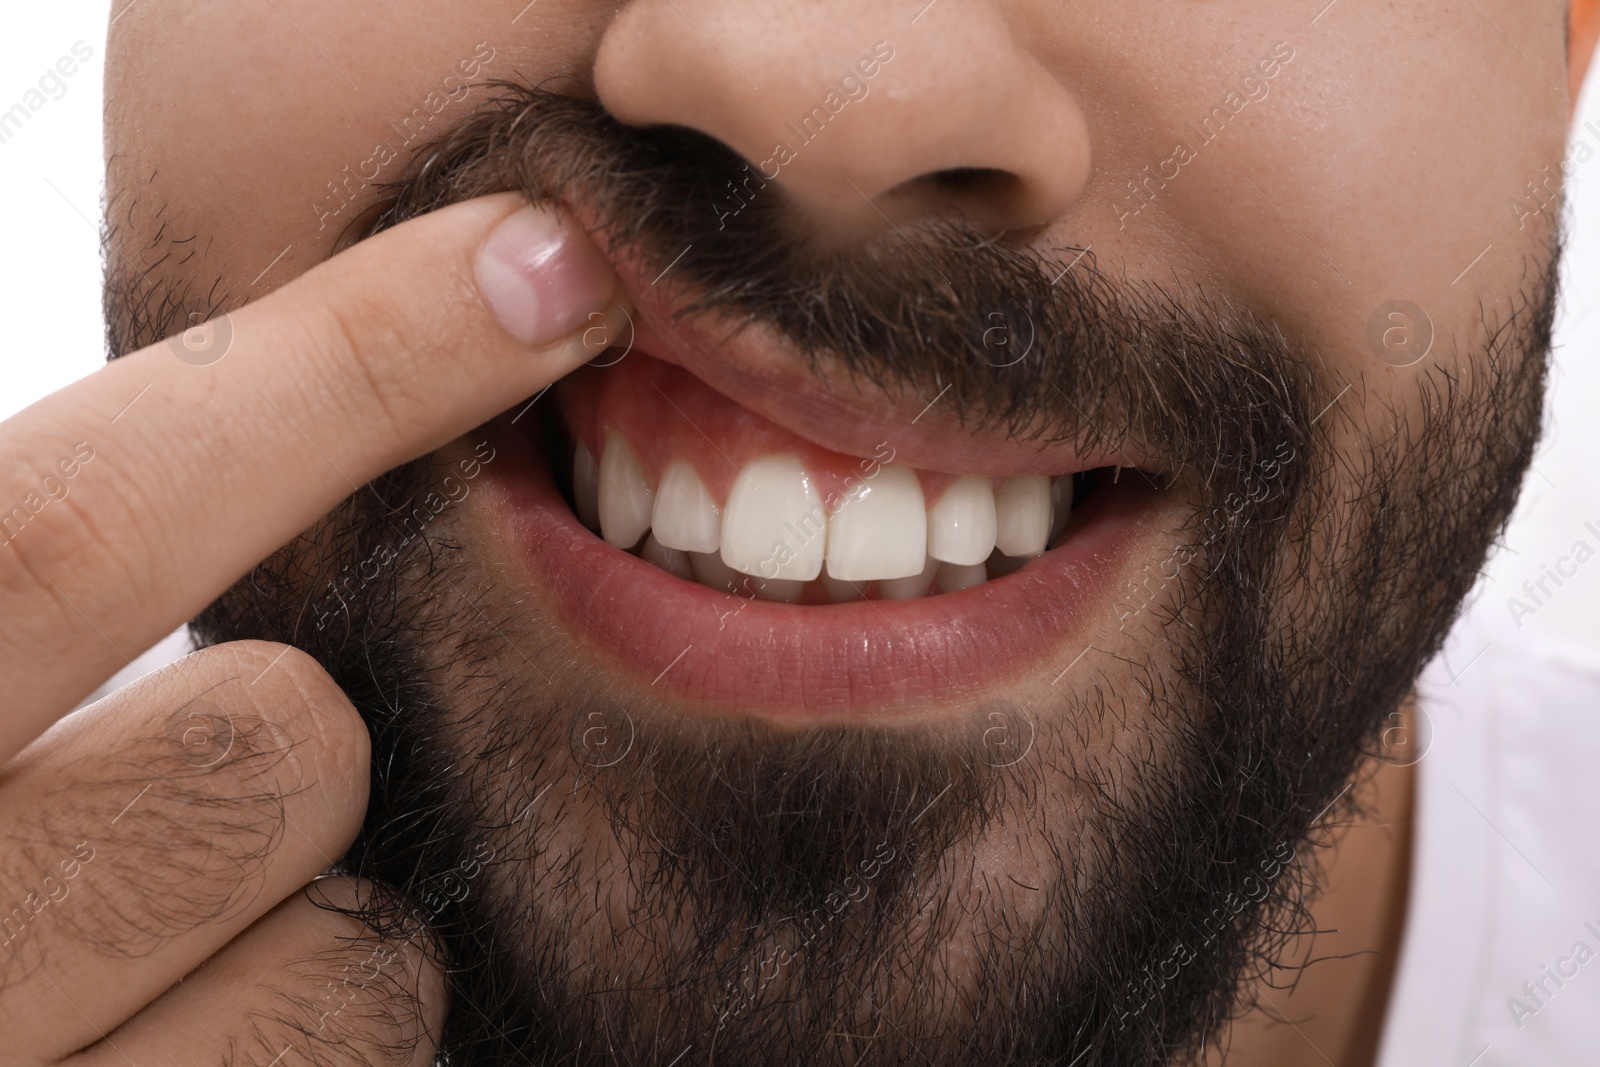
(180, 804)
(352, 994)
(287, 688)
(43, 543)
(178, 828)
(366, 356)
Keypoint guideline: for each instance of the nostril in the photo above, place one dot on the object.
(973, 181)
(988, 197)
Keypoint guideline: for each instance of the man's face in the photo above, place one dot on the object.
(1264, 292)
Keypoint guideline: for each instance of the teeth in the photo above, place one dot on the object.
(710, 571)
(586, 486)
(881, 531)
(1022, 515)
(670, 560)
(774, 535)
(624, 494)
(953, 577)
(685, 516)
(840, 591)
(961, 526)
(912, 587)
(774, 524)
(1060, 505)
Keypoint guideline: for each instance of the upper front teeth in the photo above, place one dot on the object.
(880, 531)
(775, 527)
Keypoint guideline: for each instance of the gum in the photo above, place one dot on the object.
(665, 413)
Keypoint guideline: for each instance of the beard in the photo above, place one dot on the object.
(609, 881)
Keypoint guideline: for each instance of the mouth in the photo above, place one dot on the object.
(716, 522)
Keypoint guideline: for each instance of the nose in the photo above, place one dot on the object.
(865, 113)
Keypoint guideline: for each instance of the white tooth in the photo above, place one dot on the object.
(1060, 505)
(955, 576)
(685, 516)
(670, 560)
(840, 591)
(912, 587)
(586, 486)
(710, 571)
(787, 590)
(1022, 515)
(625, 496)
(961, 526)
(774, 524)
(881, 530)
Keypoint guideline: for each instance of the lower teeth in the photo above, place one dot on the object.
(707, 569)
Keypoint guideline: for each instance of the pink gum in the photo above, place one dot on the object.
(666, 413)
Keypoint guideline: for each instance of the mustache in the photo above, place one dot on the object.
(1040, 343)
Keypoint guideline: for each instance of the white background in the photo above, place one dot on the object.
(50, 185)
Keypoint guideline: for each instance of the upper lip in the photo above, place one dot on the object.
(733, 653)
(749, 363)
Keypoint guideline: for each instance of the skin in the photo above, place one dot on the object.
(253, 732)
(1356, 181)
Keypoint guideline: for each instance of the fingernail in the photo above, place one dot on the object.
(608, 333)
(542, 276)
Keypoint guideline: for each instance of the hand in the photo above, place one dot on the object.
(170, 830)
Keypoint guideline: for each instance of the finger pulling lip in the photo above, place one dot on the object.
(728, 654)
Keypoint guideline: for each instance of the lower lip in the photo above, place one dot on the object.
(882, 660)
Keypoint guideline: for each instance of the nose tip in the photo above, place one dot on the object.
(862, 117)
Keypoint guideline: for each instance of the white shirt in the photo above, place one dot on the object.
(1505, 877)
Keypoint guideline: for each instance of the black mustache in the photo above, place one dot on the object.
(1041, 343)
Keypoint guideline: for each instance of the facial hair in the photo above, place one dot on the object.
(728, 892)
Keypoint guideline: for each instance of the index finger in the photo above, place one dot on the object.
(144, 490)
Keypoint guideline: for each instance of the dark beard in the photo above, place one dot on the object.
(792, 897)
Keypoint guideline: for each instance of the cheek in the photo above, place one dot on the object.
(1367, 173)
(1393, 192)
(276, 125)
